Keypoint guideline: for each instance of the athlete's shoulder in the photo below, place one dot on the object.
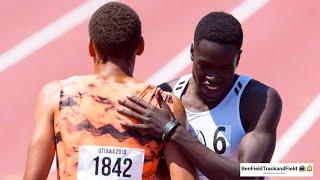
(258, 89)
(174, 104)
(77, 83)
(51, 88)
(49, 94)
(168, 86)
(77, 79)
(260, 99)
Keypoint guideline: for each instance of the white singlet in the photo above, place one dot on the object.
(220, 128)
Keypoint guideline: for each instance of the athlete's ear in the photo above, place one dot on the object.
(140, 48)
(191, 52)
(91, 49)
(237, 59)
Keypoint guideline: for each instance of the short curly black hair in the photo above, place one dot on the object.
(115, 30)
(219, 27)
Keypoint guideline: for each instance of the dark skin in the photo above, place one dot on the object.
(213, 75)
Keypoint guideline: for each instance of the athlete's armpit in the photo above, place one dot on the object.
(42, 147)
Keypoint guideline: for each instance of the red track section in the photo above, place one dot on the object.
(280, 49)
(22, 18)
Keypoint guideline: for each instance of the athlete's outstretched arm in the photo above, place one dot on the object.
(257, 146)
(41, 147)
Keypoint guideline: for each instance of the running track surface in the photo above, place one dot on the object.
(280, 49)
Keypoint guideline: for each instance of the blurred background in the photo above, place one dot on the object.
(44, 40)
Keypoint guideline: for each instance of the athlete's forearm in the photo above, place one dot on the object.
(208, 162)
(39, 160)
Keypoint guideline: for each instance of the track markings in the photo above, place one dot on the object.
(49, 33)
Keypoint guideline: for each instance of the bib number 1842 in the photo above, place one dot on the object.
(109, 162)
(106, 168)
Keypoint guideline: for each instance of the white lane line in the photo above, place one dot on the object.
(297, 129)
(242, 12)
(49, 33)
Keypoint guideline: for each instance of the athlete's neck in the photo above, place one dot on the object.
(195, 91)
(113, 64)
(117, 70)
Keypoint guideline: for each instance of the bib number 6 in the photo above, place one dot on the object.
(220, 139)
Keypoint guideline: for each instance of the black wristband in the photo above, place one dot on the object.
(169, 128)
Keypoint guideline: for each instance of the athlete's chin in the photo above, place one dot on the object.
(210, 98)
(211, 95)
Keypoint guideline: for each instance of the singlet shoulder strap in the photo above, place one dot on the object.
(241, 84)
(180, 85)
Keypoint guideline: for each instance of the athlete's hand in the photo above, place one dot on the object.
(153, 119)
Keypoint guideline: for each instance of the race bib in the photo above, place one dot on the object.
(107, 162)
(218, 139)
